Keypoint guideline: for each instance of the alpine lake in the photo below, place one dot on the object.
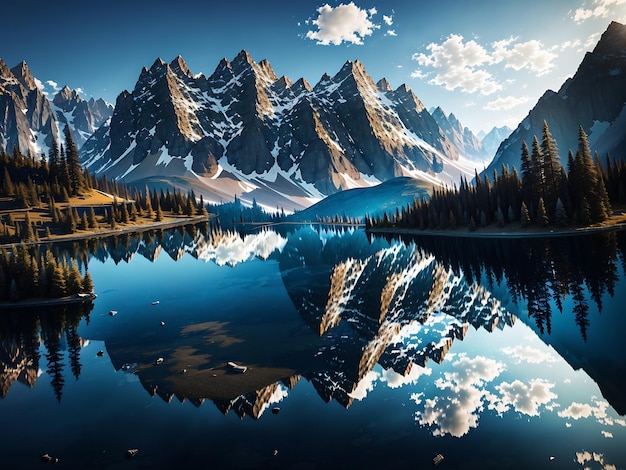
(316, 347)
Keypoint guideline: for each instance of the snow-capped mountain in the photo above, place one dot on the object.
(83, 117)
(462, 137)
(492, 139)
(594, 98)
(29, 120)
(245, 130)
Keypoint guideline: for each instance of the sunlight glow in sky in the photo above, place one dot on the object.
(488, 64)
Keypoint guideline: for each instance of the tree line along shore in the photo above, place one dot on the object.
(46, 198)
(547, 196)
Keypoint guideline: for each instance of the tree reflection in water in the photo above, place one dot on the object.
(538, 270)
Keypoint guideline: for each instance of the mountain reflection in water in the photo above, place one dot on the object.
(344, 312)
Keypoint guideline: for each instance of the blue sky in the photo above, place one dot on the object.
(487, 62)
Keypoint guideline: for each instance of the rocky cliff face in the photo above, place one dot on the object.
(83, 117)
(244, 124)
(492, 139)
(594, 98)
(462, 137)
(29, 120)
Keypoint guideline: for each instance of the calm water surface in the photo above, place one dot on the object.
(360, 353)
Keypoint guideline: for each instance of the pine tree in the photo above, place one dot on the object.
(75, 171)
(525, 216)
(551, 168)
(542, 216)
(87, 283)
(560, 216)
(27, 234)
(159, 213)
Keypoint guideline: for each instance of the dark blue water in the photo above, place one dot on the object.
(377, 353)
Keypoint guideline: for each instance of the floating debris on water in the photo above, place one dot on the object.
(437, 459)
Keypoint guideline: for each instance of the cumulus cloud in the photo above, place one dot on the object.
(53, 84)
(457, 65)
(607, 434)
(465, 65)
(597, 9)
(508, 102)
(585, 457)
(388, 20)
(598, 410)
(395, 380)
(455, 410)
(418, 74)
(391, 32)
(365, 386)
(232, 250)
(532, 55)
(525, 398)
(520, 352)
(40, 84)
(344, 23)
(576, 411)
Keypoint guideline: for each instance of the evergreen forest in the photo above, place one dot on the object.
(546, 194)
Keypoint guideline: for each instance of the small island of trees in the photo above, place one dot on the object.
(25, 273)
(545, 195)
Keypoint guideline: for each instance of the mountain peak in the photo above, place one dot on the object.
(178, 65)
(243, 57)
(383, 85)
(404, 88)
(267, 69)
(301, 85)
(158, 64)
(612, 40)
(66, 94)
(5, 71)
(22, 73)
(283, 82)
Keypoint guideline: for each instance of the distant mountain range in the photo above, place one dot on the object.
(594, 98)
(243, 131)
(462, 137)
(29, 120)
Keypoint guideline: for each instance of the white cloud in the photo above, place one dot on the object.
(597, 9)
(456, 62)
(455, 409)
(607, 434)
(577, 411)
(395, 380)
(388, 20)
(468, 65)
(365, 385)
(418, 74)
(39, 84)
(598, 410)
(525, 398)
(347, 23)
(391, 32)
(575, 44)
(53, 84)
(585, 456)
(592, 40)
(532, 55)
(520, 352)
